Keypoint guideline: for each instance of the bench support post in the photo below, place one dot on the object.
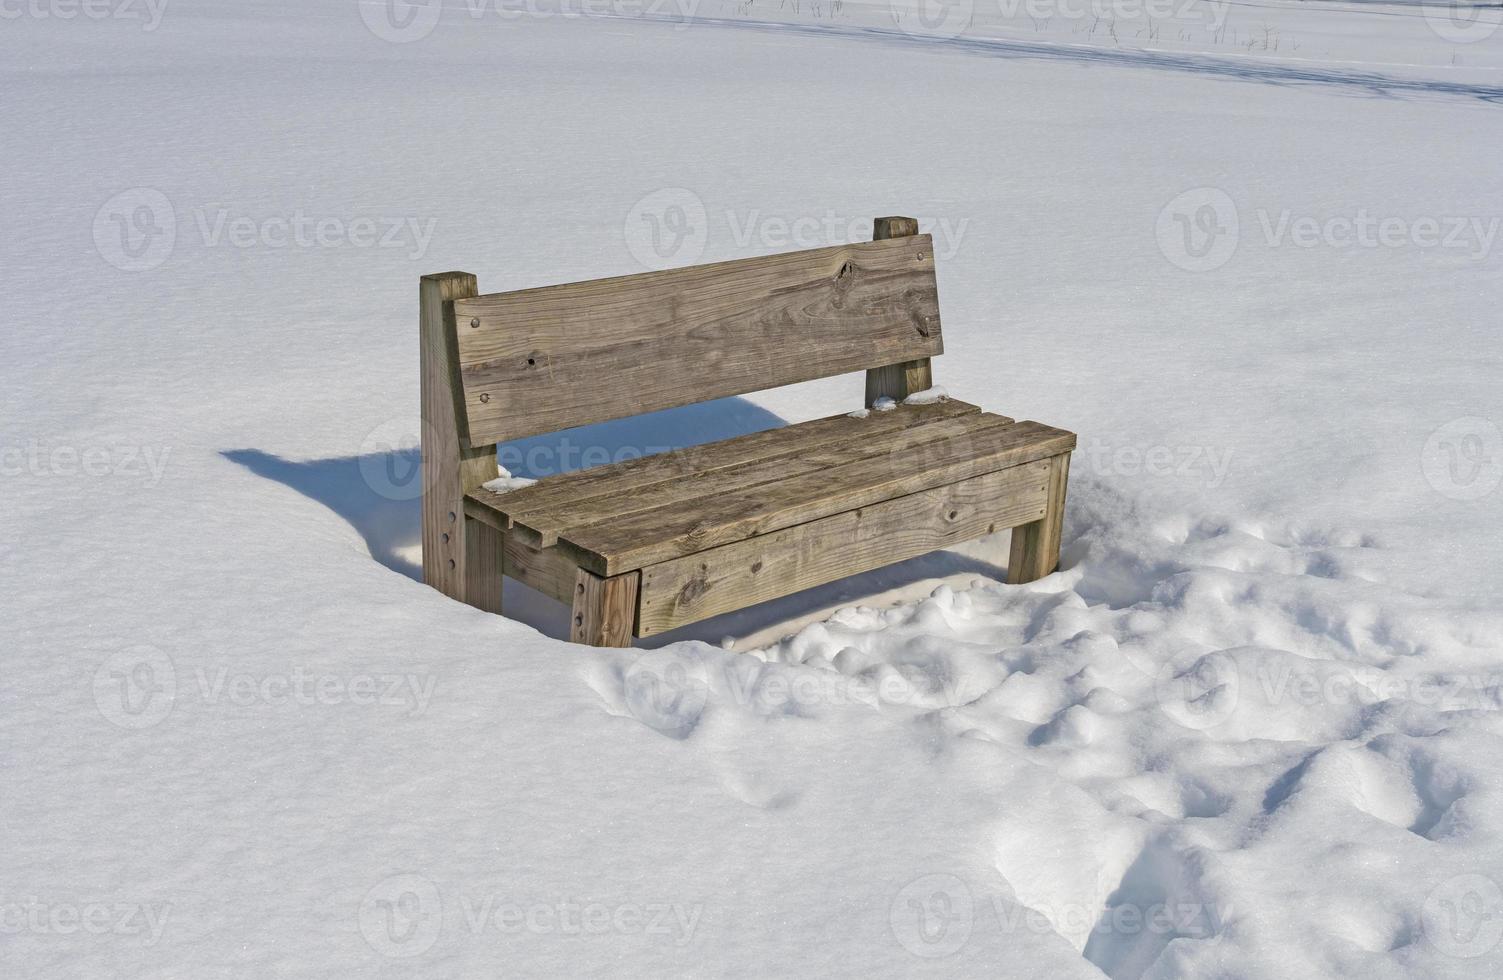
(461, 556)
(897, 381)
(605, 609)
(1035, 546)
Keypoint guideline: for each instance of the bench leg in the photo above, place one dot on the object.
(461, 556)
(1035, 546)
(483, 550)
(605, 609)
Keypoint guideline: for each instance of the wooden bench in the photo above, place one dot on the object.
(654, 543)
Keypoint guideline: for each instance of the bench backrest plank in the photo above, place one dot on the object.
(540, 360)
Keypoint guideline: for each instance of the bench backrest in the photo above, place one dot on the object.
(540, 360)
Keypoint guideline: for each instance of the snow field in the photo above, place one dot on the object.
(1249, 730)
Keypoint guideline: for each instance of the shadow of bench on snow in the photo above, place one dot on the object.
(379, 493)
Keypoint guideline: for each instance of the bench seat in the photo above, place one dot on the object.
(717, 527)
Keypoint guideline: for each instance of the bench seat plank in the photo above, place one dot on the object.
(636, 475)
(686, 590)
(697, 523)
(544, 528)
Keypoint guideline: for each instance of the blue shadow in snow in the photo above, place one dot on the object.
(379, 493)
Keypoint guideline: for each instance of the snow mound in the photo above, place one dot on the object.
(928, 395)
(1166, 730)
(505, 482)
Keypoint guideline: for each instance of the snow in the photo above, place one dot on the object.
(506, 482)
(1250, 729)
(927, 396)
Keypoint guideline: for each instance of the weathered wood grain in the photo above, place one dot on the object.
(686, 590)
(547, 570)
(545, 359)
(1035, 546)
(480, 511)
(544, 527)
(452, 563)
(605, 609)
(894, 226)
(483, 547)
(634, 475)
(897, 381)
(653, 536)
